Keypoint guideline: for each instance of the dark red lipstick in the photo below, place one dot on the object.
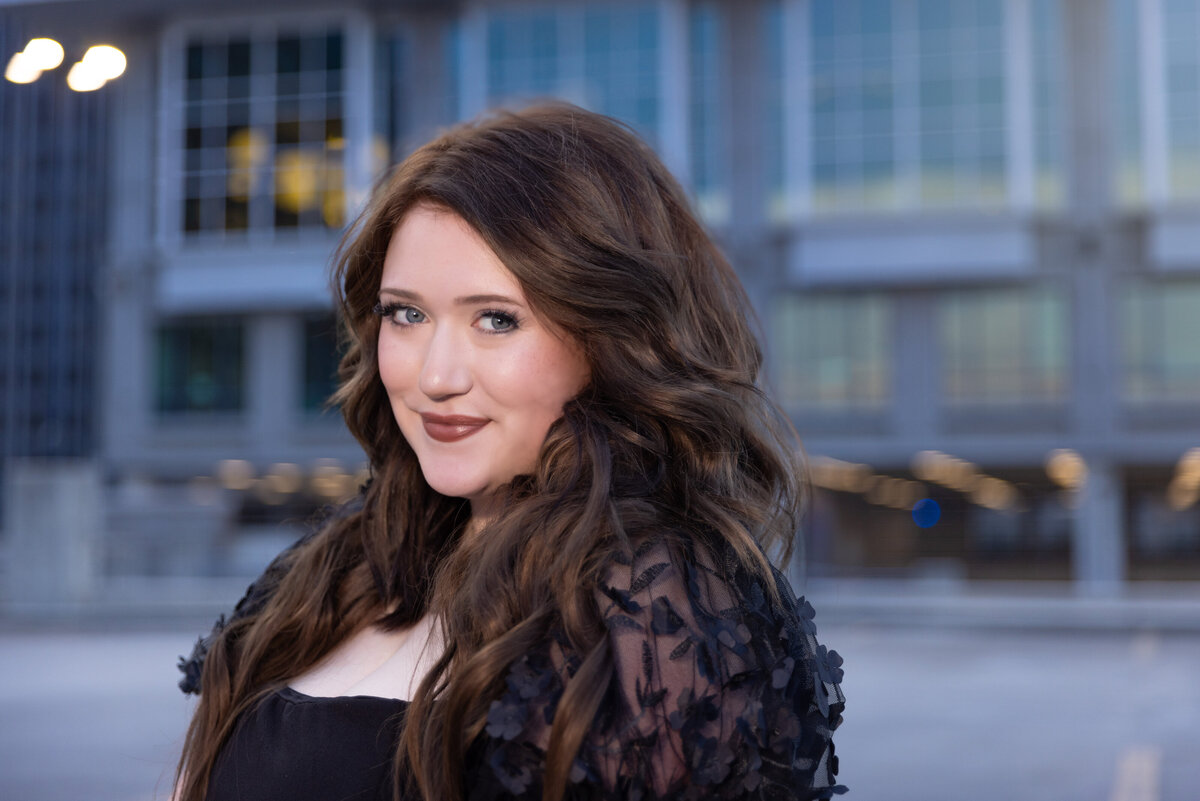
(451, 427)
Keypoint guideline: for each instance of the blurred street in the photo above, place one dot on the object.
(942, 713)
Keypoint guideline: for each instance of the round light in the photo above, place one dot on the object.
(1066, 468)
(235, 474)
(45, 54)
(1180, 496)
(21, 69)
(82, 78)
(107, 60)
(284, 478)
(926, 513)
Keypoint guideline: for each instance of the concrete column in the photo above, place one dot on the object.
(426, 83)
(1098, 553)
(53, 516)
(1098, 541)
(746, 239)
(274, 352)
(916, 366)
(127, 294)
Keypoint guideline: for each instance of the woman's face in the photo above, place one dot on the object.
(475, 379)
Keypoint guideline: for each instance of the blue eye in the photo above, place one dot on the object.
(497, 322)
(399, 314)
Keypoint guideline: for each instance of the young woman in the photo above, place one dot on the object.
(554, 585)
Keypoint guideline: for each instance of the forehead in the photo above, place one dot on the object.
(434, 246)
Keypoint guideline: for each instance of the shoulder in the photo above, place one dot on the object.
(719, 685)
(260, 591)
(713, 612)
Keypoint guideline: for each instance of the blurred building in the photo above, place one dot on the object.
(971, 227)
(53, 183)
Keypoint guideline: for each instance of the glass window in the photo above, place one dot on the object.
(1049, 146)
(1128, 174)
(604, 56)
(831, 350)
(1002, 346)
(262, 133)
(1181, 28)
(1159, 331)
(708, 71)
(321, 357)
(200, 366)
(909, 104)
(853, 105)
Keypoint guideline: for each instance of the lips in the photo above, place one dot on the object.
(451, 427)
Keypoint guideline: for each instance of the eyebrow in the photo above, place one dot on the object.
(466, 300)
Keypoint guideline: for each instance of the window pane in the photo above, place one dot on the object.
(1160, 326)
(1003, 346)
(200, 367)
(831, 350)
(321, 358)
(251, 143)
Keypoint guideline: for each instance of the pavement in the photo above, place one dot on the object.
(130, 602)
(89, 710)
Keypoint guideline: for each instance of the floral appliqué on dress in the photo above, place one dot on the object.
(720, 692)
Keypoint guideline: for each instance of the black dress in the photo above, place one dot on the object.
(292, 746)
(720, 691)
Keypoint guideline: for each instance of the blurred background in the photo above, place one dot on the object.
(971, 229)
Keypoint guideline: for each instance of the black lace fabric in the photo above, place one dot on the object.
(720, 692)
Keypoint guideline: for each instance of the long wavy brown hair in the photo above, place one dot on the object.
(671, 434)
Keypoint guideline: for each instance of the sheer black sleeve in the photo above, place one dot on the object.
(720, 691)
(256, 596)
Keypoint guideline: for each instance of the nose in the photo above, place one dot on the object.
(446, 371)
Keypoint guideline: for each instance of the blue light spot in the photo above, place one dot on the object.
(926, 513)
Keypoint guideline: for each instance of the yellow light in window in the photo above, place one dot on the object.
(297, 179)
(245, 151)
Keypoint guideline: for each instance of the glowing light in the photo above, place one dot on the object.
(1181, 495)
(106, 60)
(100, 64)
(82, 78)
(235, 474)
(926, 513)
(835, 474)
(284, 478)
(297, 180)
(45, 54)
(328, 480)
(244, 152)
(21, 69)
(1189, 466)
(994, 493)
(927, 465)
(1066, 468)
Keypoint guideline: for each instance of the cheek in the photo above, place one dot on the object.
(395, 365)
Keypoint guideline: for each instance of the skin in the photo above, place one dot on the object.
(459, 341)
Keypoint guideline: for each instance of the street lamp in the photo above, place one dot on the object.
(99, 65)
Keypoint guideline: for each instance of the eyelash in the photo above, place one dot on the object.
(388, 312)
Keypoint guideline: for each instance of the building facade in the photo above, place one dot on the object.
(970, 227)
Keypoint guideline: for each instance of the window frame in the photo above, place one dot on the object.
(357, 73)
